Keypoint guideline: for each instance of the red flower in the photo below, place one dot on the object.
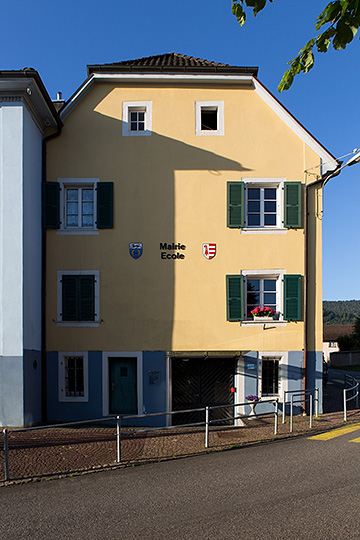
(263, 311)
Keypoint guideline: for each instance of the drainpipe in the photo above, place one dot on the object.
(306, 262)
(43, 281)
(321, 182)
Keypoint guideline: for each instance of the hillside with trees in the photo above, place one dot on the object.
(341, 311)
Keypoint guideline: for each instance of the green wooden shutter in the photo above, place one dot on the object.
(292, 205)
(87, 298)
(51, 205)
(234, 296)
(105, 197)
(235, 201)
(78, 298)
(292, 297)
(70, 298)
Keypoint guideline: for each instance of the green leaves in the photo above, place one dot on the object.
(341, 19)
(239, 12)
(324, 40)
(345, 33)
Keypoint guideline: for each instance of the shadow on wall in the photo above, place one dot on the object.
(143, 170)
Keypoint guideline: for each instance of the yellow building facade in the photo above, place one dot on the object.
(177, 202)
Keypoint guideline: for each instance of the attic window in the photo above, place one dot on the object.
(136, 118)
(209, 118)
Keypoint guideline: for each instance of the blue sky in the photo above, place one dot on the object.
(60, 38)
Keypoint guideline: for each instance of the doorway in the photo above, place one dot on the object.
(123, 385)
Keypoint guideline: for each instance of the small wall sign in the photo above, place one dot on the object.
(209, 250)
(154, 378)
(136, 250)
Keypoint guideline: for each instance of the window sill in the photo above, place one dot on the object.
(209, 132)
(78, 324)
(77, 231)
(145, 133)
(263, 230)
(265, 324)
(83, 399)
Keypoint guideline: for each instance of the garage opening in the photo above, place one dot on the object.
(200, 382)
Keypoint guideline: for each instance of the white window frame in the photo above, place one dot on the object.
(62, 273)
(277, 183)
(62, 381)
(105, 378)
(282, 383)
(219, 105)
(145, 106)
(277, 274)
(73, 183)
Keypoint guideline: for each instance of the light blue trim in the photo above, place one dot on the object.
(11, 391)
(155, 385)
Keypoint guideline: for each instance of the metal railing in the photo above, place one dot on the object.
(238, 417)
(6, 432)
(207, 422)
(119, 419)
(350, 380)
(310, 395)
(303, 397)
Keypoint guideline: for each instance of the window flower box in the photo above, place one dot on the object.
(263, 314)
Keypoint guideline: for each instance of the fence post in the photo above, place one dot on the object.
(206, 427)
(118, 438)
(6, 454)
(291, 412)
(283, 408)
(276, 416)
(357, 396)
(311, 409)
(316, 402)
(345, 415)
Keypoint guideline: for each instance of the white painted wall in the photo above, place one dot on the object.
(11, 229)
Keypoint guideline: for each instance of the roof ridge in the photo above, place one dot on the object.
(166, 59)
(169, 61)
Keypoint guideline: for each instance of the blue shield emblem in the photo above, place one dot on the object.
(136, 250)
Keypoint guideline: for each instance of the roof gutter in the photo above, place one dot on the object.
(109, 68)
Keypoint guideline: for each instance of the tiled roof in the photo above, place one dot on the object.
(170, 62)
(331, 332)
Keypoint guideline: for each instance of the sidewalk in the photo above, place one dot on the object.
(57, 452)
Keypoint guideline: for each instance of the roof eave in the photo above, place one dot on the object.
(29, 81)
(109, 68)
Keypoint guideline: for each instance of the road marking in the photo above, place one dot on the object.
(336, 433)
(356, 440)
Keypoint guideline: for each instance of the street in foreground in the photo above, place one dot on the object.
(294, 489)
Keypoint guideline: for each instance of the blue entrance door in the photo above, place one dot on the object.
(123, 385)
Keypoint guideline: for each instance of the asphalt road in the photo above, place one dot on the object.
(293, 489)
